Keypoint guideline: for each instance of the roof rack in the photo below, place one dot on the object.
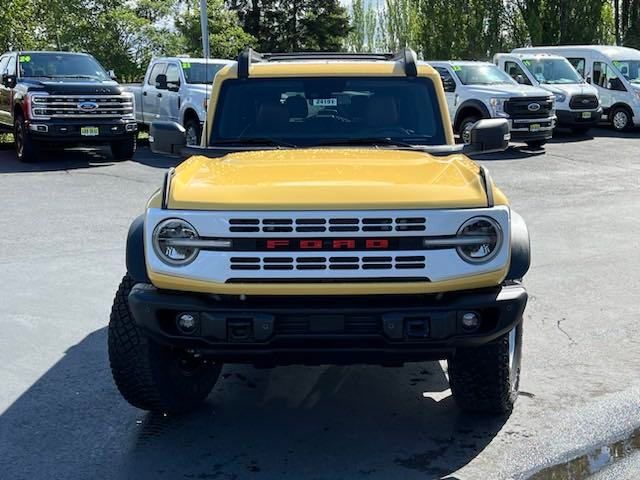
(249, 56)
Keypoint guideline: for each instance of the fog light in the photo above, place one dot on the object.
(470, 321)
(187, 323)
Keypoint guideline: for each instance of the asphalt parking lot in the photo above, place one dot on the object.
(62, 236)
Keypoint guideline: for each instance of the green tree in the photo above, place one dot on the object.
(294, 25)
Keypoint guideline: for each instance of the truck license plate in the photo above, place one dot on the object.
(534, 127)
(89, 131)
(586, 114)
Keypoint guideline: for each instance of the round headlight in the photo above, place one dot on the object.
(171, 242)
(480, 239)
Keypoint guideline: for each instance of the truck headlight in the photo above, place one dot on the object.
(497, 105)
(560, 98)
(479, 240)
(172, 242)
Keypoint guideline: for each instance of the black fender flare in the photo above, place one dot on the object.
(136, 264)
(520, 248)
(472, 103)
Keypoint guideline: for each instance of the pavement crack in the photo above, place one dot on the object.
(571, 340)
(112, 175)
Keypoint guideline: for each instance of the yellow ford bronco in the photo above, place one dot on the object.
(328, 217)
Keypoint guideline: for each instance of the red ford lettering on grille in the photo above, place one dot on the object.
(311, 244)
(340, 244)
(377, 243)
(273, 244)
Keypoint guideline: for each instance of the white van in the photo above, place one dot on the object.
(477, 90)
(614, 71)
(577, 102)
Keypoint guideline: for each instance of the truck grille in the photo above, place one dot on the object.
(523, 107)
(76, 106)
(355, 262)
(315, 225)
(584, 102)
(345, 324)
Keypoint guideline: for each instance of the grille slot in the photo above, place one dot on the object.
(331, 263)
(519, 107)
(323, 225)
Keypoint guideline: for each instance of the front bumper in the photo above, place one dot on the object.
(69, 131)
(384, 329)
(576, 118)
(525, 129)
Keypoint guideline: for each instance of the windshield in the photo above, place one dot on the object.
(552, 71)
(325, 111)
(61, 65)
(199, 72)
(630, 69)
(482, 75)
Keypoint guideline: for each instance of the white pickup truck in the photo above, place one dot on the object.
(479, 90)
(176, 89)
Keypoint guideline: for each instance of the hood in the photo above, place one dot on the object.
(509, 90)
(328, 179)
(571, 89)
(74, 86)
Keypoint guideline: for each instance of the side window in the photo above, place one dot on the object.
(578, 64)
(3, 64)
(173, 74)
(604, 77)
(448, 82)
(515, 71)
(157, 69)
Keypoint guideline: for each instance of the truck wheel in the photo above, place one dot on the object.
(151, 376)
(124, 149)
(485, 379)
(621, 119)
(465, 128)
(536, 145)
(193, 132)
(27, 150)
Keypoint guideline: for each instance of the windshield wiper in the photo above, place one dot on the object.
(91, 77)
(255, 141)
(366, 141)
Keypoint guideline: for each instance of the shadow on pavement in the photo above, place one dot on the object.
(77, 158)
(294, 422)
(512, 153)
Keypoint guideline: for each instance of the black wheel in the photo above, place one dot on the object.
(27, 150)
(580, 130)
(151, 376)
(620, 118)
(193, 131)
(485, 379)
(536, 145)
(124, 149)
(465, 128)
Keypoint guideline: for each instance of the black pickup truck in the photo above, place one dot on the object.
(64, 99)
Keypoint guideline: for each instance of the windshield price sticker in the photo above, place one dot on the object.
(186, 65)
(25, 58)
(457, 68)
(325, 102)
(527, 62)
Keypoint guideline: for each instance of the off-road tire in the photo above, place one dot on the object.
(149, 375)
(483, 379)
(193, 125)
(620, 112)
(537, 144)
(466, 124)
(124, 149)
(27, 150)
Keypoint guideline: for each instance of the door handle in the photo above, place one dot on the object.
(144, 94)
(159, 95)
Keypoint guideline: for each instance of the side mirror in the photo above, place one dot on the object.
(588, 79)
(167, 138)
(520, 79)
(173, 87)
(161, 82)
(112, 75)
(489, 136)
(9, 81)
